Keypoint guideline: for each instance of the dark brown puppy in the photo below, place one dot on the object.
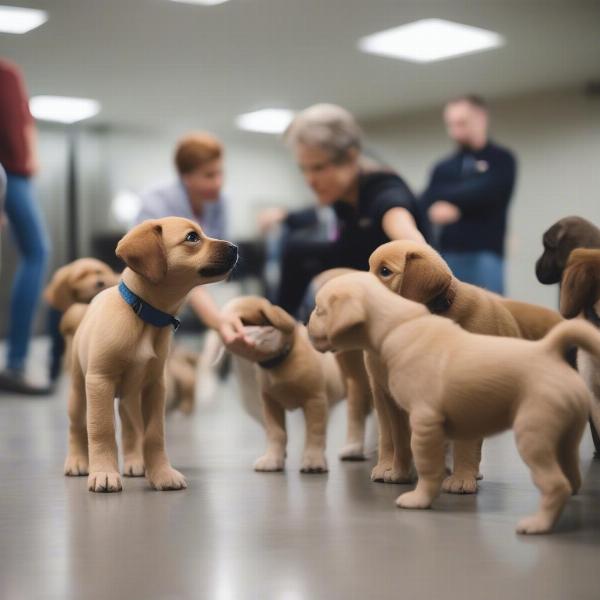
(559, 241)
(563, 237)
(580, 297)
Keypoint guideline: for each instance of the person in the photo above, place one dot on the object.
(372, 204)
(468, 196)
(197, 195)
(18, 156)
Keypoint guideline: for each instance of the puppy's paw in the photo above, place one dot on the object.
(313, 462)
(76, 466)
(413, 500)
(534, 524)
(269, 463)
(353, 451)
(104, 481)
(133, 466)
(167, 478)
(399, 476)
(378, 471)
(460, 484)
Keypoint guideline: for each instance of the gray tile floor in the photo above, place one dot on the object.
(238, 535)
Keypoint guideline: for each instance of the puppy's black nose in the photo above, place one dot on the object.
(231, 253)
(100, 284)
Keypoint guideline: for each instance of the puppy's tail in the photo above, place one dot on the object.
(568, 334)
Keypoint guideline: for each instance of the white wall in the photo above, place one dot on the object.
(556, 137)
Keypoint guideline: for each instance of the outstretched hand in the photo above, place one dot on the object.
(234, 337)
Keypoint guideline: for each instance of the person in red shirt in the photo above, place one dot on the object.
(19, 159)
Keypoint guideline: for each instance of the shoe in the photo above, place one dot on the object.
(14, 382)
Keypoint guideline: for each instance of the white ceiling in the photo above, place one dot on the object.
(170, 65)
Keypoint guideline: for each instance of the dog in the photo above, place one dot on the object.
(458, 385)
(290, 374)
(417, 272)
(78, 282)
(75, 285)
(559, 240)
(120, 349)
(580, 297)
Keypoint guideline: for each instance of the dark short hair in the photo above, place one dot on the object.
(195, 150)
(473, 99)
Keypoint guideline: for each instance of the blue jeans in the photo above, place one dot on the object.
(485, 269)
(29, 233)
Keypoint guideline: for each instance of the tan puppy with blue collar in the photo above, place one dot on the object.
(120, 348)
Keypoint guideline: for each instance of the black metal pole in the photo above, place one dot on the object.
(72, 195)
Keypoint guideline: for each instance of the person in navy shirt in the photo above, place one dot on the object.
(468, 196)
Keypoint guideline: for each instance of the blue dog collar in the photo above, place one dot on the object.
(146, 312)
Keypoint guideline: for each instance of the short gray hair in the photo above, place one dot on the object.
(325, 126)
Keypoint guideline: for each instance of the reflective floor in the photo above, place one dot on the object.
(237, 535)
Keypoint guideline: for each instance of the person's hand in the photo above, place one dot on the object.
(444, 213)
(270, 218)
(231, 330)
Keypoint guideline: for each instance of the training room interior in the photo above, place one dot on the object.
(154, 70)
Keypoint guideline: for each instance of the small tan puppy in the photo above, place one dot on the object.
(580, 297)
(120, 348)
(460, 386)
(79, 281)
(291, 374)
(417, 272)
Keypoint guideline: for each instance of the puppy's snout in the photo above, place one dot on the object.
(100, 284)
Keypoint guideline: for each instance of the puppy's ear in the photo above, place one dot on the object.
(278, 318)
(344, 314)
(580, 287)
(425, 277)
(143, 250)
(58, 293)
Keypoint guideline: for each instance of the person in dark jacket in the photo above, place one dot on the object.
(372, 204)
(468, 196)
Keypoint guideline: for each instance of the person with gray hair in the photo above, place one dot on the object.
(372, 204)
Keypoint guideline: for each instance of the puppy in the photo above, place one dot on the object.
(417, 272)
(291, 374)
(120, 348)
(79, 281)
(459, 385)
(580, 297)
(563, 237)
(76, 284)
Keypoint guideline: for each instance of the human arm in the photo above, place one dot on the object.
(229, 326)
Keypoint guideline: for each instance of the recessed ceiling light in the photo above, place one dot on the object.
(63, 109)
(14, 19)
(203, 2)
(267, 120)
(429, 40)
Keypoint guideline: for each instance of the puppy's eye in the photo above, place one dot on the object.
(384, 271)
(192, 236)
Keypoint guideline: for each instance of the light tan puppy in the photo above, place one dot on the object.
(417, 272)
(458, 385)
(580, 297)
(79, 281)
(118, 353)
(291, 374)
(76, 284)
